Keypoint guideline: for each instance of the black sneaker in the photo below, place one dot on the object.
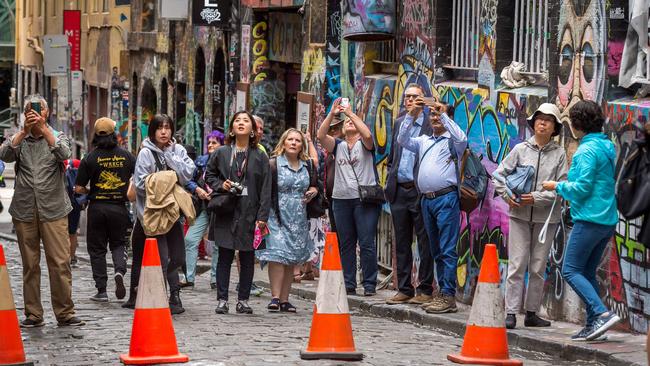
(120, 290)
(73, 261)
(72, 322)
(601, 325)
(100, 296)
(369, 292)
(582, 334)
(222, 307)
(351, 291)
(186, 284)
(532, 320)
(213, 285)
(511, 321)
(29, 323)
(243, 308)
(175, 304)
(130, 303)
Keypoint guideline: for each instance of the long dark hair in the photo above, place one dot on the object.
(104, 141)
(252, 141)
(159, 120)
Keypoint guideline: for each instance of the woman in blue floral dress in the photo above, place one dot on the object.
(289, 242)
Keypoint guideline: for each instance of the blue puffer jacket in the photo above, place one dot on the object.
(591, 183)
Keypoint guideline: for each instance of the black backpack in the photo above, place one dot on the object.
(633, 184)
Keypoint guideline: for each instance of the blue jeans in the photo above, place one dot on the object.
(442, 221)
(357, 221)
(192, 239)
(584, 250)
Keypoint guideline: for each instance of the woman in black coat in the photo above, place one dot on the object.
(239, 174)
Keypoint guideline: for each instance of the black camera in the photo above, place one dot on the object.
(236, 188)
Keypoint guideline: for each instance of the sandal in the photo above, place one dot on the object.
(286, 307)
(308, 276)
(274, 305)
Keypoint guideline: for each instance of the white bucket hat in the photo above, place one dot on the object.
(550, 109)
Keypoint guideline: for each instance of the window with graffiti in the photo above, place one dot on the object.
(148, 16)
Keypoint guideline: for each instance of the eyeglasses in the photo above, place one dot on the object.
(411, 96)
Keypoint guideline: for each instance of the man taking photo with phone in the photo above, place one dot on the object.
(39, 209)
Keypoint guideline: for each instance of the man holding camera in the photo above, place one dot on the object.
(39, 208)
(405, 208)
(437, 181)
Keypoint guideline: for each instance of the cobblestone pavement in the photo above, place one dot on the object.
(210, 339)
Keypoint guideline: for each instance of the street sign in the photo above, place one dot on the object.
(55, 59)
(72, 29)
(215, 13)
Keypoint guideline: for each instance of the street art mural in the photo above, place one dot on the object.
(581, 49)
(268, 86)
(416, 61)
(333, 53)
(368, 19)
(285, 37)
(495, 122)
(487, 46)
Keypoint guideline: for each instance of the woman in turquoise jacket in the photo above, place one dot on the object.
(590, 191)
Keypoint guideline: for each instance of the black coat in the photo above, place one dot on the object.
(236, 231)
(396, 155)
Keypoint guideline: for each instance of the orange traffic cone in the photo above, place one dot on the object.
(486, 341)
(152, 336)
(11, 343)
(331, 328)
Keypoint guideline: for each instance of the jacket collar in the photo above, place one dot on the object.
(552, 145)
(593, 136)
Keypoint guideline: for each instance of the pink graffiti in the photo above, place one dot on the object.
(415, 16)
(615, 53)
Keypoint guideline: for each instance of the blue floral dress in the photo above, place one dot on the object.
(289, 243)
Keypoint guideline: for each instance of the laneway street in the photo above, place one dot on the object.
(210, 339)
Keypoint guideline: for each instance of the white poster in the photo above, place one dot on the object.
(77, 85)
(303, 116)
(174, 9)
(241, 100)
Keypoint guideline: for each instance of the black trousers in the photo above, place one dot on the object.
(407, 216)
(171, 248)
(246, 272)
(107, 224)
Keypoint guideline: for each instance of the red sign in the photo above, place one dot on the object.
(72, 29)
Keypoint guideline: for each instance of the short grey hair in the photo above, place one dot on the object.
(33, 98)
(258, 119)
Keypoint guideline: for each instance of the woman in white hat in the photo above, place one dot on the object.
(529, 211)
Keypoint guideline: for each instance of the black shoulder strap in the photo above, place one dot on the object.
(274, 188)
(429, 149)
(454, 157)
(159, 164)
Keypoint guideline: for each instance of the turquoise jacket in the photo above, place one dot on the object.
(591, 184)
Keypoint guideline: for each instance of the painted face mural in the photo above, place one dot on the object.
(581, 47)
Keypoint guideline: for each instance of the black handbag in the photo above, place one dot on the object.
(315, 207)
(223, 203)
(633, 186)
(370, 193)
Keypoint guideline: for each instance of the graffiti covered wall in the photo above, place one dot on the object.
(585, 58)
